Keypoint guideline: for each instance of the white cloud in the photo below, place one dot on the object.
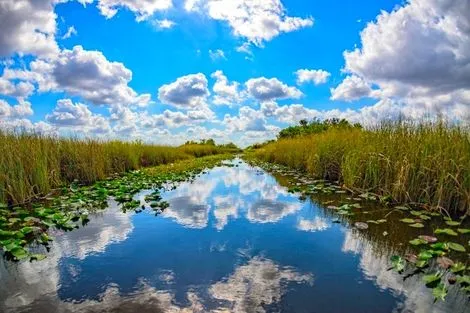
(226, 93)
(142, 9)
(68, 114)
(317, 224)
(256, 286)
(290, 114)
(264, 89)
(163, 24)
(28, 27)
(248, 119)
(20, 90)
(71, 31)
(420, 52)
(217, 55)
(20, 110)
(315, 76)
(269, 211)
(187, 92)
(255, 20)
(245, 48)
(83, 73)
(352, 88)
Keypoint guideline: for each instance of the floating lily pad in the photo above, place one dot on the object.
(453, 223)
(439, 292)
(444, 262)
(398, 264)
(432, 279)
(445, 231)
(428, 239)
(456, 247)
(407, 220)
(418, 241)
(458, 267)
(464, 230)
(416, 225)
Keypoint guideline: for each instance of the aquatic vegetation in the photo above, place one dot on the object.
(34, 165)
(21, 227)
(425, 163)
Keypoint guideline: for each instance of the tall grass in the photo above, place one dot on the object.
(426, 163)
(33, 165)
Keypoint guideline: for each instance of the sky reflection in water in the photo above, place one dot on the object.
(232, 241)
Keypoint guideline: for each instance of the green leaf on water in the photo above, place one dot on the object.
(403, 208)
(453, 223)
(432, 279)
(458, 268)
(464, 230)
(416, 213)
(440, 246)
(407, 220)
(439, 292)
(464, 280)
(37, 257)
(416, 225)
(421, 263)
(456, 247)
(425, 255)
(19, 253)
(418, 241)
(445, 231)
(398, 263)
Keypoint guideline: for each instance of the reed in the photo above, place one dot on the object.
(32, 165)
(425, 163)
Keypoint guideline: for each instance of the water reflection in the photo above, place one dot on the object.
(234, 240)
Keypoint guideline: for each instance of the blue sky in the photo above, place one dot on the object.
(236, 70)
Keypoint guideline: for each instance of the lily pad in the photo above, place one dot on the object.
(445, 231)
(464, 230)
(432, 279)
(416, 225)
(418, 241)
(428, 239)
(444, 262)
(398, 264)
(456, 247)
(439, 292)
(458, 267)
(407, 220)
(453, 223)
(19, 253)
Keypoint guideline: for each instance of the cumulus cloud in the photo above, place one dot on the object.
(290, 114)
(248, 119)
(20, 110)
(20, 90)
(314, 76)
(257, 21)
(83, 73)
(142, 9)
(419, 52)
(264, 89)
(186, 92)
(226, 93)
(317, 224)
(69, 114)
(352, 88)
(28, 27)
(269, 211)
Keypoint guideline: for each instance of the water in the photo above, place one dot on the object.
(234, 240)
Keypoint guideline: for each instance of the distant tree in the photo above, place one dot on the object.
(314, 127)
(303, 123)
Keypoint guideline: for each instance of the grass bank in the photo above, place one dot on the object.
(426, 163)
(32, 165)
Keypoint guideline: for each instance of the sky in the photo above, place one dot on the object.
(168, 71)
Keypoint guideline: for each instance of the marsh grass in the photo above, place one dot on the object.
(32, 165)
(426, 163)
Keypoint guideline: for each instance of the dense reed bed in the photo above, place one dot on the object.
(32, 165)
(426, 163)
